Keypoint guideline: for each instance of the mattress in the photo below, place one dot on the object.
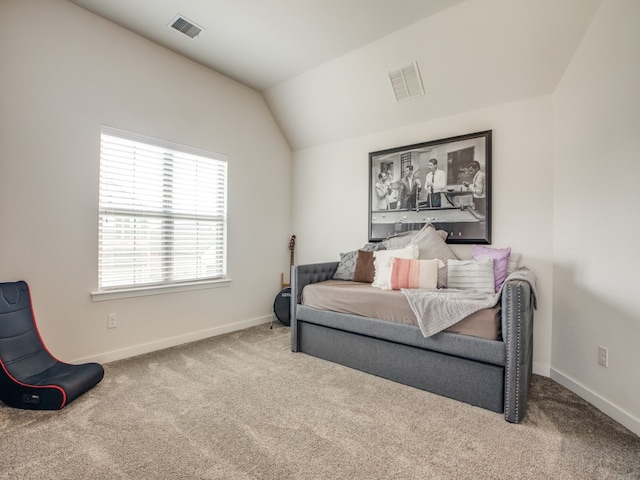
(390, 305)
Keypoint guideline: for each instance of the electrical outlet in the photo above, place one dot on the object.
(112, 320)
(603, 356)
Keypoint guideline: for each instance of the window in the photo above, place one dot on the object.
(163, 213)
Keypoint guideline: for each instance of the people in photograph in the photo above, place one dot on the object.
(409, 189)
(383, 189)
(477, 186)
(436, 182)
(393, 191)
(463, 175)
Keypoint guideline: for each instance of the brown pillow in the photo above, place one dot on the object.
(365, 270)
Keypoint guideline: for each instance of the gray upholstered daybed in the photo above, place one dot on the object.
(492, 374)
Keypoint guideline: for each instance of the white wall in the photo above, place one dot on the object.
(596, 228)
(331, 190)
(64, 73)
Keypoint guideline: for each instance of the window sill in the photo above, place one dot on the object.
(158, 289)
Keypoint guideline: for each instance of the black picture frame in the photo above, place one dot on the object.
(455, 196)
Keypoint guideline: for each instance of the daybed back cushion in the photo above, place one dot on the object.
(365, 269)
(514, 262)
(500, 258)
(347, 267)
(407, 273)
(383, 260)
(471, 275)
(399, 240)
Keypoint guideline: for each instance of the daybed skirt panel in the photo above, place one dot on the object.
(469, 381)
(474, 348)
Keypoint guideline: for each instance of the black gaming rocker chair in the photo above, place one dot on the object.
(30, 377)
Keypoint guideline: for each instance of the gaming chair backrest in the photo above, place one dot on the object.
(22, 353)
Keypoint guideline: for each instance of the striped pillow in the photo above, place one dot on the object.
(432, 244)
(471, 275)
(406, 273)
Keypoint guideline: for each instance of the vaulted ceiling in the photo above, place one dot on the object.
(322, 65)
(262, 43)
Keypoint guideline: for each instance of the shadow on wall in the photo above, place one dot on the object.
(582, 320)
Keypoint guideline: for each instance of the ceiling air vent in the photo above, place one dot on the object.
(406, 82)
(186, 26)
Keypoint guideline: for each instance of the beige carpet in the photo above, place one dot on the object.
(242, 406)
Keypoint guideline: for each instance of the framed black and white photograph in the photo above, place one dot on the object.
(444, 182)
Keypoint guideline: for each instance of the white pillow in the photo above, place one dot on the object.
(471, 275)
(383, 261)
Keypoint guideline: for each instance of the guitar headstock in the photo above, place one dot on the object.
(292, 242)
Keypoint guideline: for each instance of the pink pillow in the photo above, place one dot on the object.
(408, 273)
(500, 261)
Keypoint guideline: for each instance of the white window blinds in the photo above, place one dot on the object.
(163, 212)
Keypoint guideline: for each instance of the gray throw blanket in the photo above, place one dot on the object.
(437, 310)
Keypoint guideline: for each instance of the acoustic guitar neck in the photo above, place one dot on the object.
(292, 246)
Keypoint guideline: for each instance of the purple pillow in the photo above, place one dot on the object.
(500, 261)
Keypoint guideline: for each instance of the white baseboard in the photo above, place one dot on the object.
(605, 406)
(541, 369)
(140, 349)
